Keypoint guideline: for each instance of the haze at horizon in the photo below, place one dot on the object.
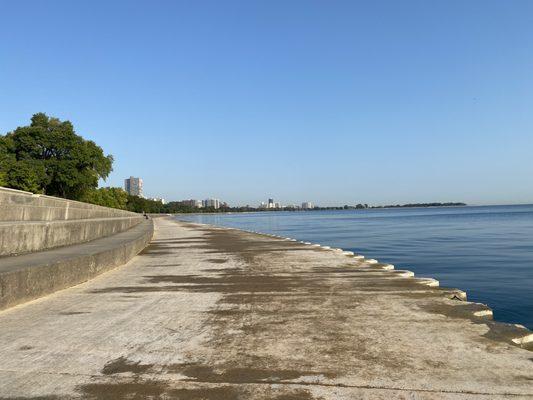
(334, 103)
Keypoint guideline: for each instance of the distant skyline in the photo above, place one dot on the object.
(334, 103)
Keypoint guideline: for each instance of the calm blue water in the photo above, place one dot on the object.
(486, 251)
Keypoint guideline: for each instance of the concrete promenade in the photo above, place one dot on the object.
(211, 313)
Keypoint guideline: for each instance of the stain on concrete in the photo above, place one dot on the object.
(202, 246)
(172, 240)
(456, 310)
(206, 373)
(150, 266)
(26, 347)
(506, 332)
(217, 260)
(159, 249)
(155, 253)
(52, 397)
(232, 283)
(265, 300)
(122, 364)
(206, 393)
(297, 395)
(246, 281)
(138, 390)
(178, 241)
(74, 312)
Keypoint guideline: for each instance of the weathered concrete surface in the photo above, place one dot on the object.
(17, 212)
(17, 205)
(19, 237)
(31, 276)
(208, 313)
(30, 222)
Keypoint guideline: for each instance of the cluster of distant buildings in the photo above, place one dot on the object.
(271, 204)
(134, 187)
(207, 203)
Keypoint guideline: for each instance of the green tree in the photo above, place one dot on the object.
(6, 159)
(49, 157)
(139, 204)
(26, 175)
(107, 197)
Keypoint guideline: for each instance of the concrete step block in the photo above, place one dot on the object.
(19, 237)
(11, 197)
(45, 213)
(30, 276)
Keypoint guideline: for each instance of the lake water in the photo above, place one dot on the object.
(485, 251)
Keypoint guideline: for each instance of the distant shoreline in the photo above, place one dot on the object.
(332, 209)
(388, 207)
(242, 210)
(422, 205)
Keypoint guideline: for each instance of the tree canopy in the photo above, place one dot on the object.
(108, 197)
(48, 157)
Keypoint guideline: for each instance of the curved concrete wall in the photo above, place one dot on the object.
(16, 205)
(30, 223)
(31, 276)
(48, 243)
(18, 237)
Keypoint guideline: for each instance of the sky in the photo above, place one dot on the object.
(334, 102)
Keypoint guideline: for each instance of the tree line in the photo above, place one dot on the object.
(119, 198)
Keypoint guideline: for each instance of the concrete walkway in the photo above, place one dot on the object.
(209, 313)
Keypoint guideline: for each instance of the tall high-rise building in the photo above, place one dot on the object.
(134, 186)
(306, 205)
(214, 203)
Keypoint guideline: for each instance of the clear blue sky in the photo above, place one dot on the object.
(328, 101)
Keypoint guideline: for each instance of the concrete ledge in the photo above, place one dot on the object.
(31, 276)
(15, 212)
(11, 197)
(19, 237)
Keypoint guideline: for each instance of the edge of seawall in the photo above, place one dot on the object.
(31, 276)
(478, 313)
